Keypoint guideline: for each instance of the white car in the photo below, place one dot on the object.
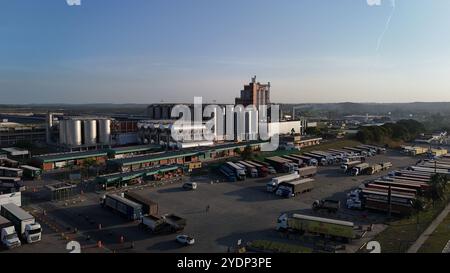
(185, 240)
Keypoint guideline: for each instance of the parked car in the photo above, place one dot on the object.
(185, 240)
(190, 186)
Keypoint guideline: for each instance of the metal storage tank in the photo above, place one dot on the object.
(90, 132)
(69, 135)
(74, 133)
(62, 132)
(104, 130)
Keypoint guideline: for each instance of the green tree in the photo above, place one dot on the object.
(87, 164)
(438, 185)
(247, 153)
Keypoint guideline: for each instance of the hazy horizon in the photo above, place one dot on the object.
(172, 50)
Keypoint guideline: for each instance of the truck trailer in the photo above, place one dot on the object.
(8, 233)
(25, 224)
(130, 210)
(148, 206)
(292, 188)
(305, 224)
(273, 184)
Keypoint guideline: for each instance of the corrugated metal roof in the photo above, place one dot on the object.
(70, 156)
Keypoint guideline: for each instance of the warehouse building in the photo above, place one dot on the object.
(130, 151)
(192, 158)
(153, 173)
(57, 161)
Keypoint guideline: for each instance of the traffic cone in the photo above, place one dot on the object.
(122, 239)
(99, 244)
(99, 226)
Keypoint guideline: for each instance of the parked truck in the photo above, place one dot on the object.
(270, 168)
(148, 206)
(273, 184)
(252, 171)
(305, 224)
(263, 171)
(239, 172)
(376, 168)
(280, 164)
(292, 188)
(167, 223)
(359, 169)
(8, 233)
(307, 160)
(306, 172)
(347, 167)
(25, 224)
(228, 173)
(127, 208)
(329, 205)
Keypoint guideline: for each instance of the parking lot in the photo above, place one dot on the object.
(238, 210)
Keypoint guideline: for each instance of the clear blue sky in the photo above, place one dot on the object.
(151, 50)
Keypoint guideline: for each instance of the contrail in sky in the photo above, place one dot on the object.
(386, 28)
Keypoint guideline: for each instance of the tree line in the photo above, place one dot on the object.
(403, 130)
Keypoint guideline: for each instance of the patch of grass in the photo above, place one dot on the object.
(401, 234)
(438, 240)
(277, 247)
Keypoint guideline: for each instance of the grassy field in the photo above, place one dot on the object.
(322, 147)
(277, 247)
(401, 234)
(437, 241)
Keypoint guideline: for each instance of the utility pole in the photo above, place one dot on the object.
(390, 201)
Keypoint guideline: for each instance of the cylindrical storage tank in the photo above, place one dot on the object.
(62, 132)
(68, 133)
(90, 132)
(75, 133)
(104, 131)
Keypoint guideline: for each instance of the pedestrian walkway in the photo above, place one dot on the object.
(427, 233)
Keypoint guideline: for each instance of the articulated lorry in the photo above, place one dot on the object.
(281, 164)
(360, 169)
(8, 233)
(322, 160)
(24, 223)
(167, 223)
(273, 184)
(307, 160)
(292, 188)
(239, 172)
(329, 205)
(130, 210)
(252, 171)
(378, 168)
(263, 171)
(347, 167)
(148, 206)
(305, 224)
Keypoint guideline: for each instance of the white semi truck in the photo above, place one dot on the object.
(9, 236)
(272, 186)
(25, 224)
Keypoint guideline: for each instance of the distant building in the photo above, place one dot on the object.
(12, 133)
(255, 94)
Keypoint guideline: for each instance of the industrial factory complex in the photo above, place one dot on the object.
(124, 183)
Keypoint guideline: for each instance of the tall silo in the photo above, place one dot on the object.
(62, 132)
(74, 132)
(68, 130)
(104, 130)
(90, 132)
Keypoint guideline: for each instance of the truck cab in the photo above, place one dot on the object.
(282, 222)
(9, 237)
(284, 191)
(33, 233)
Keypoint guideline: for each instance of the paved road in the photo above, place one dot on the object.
(427, 233)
